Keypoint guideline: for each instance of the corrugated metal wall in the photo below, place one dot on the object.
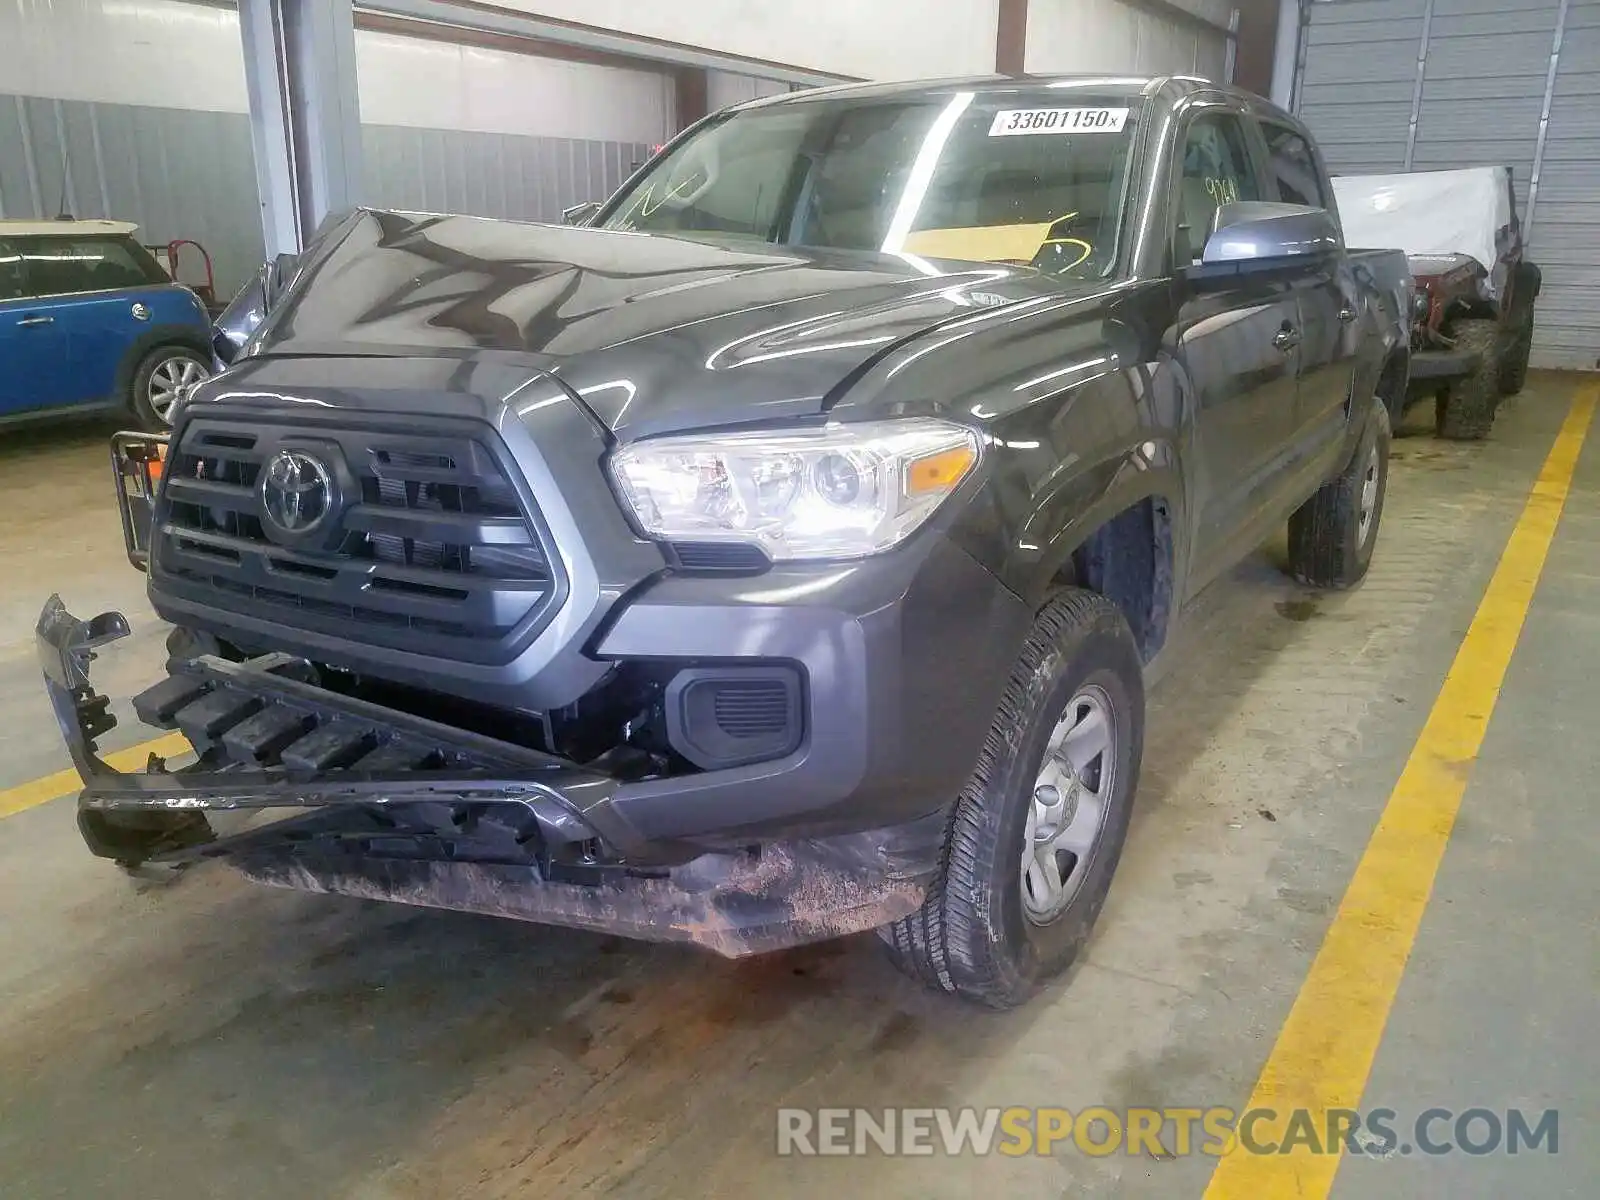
(1394, 85)
(176, 172)
(490, 174)
(1567, 219)
(147, 98)
(182, 173)
(1111, 35)
(724, 88)
(1359, 80)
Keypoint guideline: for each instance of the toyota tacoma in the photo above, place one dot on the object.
(775, 555)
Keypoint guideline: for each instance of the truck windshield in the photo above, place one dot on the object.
(1031, 177)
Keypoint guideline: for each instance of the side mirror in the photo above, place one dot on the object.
(580, 214)
(1255, 235)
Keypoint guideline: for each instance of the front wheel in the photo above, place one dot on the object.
(1465, 411)
(1035, 835)
(162, 381)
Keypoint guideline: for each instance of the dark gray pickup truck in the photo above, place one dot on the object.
(775, 557)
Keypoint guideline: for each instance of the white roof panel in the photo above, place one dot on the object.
(91, 228)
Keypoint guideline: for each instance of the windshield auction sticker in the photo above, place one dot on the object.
(1015, 121)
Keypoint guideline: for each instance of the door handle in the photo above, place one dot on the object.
(1286, 340)
(37, 321)
(1347, 315)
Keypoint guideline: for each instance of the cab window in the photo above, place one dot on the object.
(1294, 167)
(64, 266)
(1218, 169)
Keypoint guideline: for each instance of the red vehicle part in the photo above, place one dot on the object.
(170, 255)
(1444, 280)
(207, 291)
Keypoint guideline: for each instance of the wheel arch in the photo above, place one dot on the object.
(1123, 541)
(158, 337)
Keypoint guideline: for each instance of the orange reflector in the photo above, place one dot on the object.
(939, 472)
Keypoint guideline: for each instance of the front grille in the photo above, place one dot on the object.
(432, 549)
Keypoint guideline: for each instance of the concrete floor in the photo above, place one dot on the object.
(208, 1038)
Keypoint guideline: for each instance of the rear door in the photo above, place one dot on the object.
(1326, 296)
(1237, 343)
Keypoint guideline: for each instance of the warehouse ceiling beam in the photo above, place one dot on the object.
(486, 18)
(305, 121)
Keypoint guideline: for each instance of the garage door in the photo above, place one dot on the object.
(1393, 85)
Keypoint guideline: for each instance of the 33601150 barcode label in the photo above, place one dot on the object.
(1013, 122)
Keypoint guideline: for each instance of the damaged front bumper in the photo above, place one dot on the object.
(368, 801)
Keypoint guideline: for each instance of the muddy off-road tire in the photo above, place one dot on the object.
(1058, 771)
(1518, 335)
(1514, 368)
(1332, 535)
(1465, 410)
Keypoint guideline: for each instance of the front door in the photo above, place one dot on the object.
(91, 291)
(33, 346)
(1239, 345)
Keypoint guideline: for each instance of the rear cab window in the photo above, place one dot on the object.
(66, 266)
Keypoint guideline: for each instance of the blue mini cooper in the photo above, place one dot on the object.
(88, 319)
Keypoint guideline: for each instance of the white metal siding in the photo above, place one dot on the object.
(427, 84)
(885, 39)
(1110, 36)
(1393, 85)
(1567, 218)
(445, 126)
(724, 88)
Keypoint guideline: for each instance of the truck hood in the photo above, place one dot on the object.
(650, 333)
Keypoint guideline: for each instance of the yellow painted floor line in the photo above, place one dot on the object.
(40, 791)
(1325, 1050)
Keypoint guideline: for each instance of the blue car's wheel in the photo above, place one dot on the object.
(162, 381)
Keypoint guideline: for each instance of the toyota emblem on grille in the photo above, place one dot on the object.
(296, 491)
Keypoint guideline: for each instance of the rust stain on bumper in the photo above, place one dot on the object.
(732, 905)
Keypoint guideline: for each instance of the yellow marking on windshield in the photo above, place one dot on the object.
(992, 243)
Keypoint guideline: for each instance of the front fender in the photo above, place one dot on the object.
(1067, 466)
(1084, 502)
(192, 336)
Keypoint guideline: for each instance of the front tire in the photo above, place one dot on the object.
(1465, 411)
(161, 382)
(1519, 340)
(1035, 835)
(1332, 535)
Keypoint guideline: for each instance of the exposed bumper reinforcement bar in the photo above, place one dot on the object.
(1429, 365)
(395, 831)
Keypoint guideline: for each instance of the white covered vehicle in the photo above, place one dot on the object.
(1473, 327)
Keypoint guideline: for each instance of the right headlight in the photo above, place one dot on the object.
(834, 491)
